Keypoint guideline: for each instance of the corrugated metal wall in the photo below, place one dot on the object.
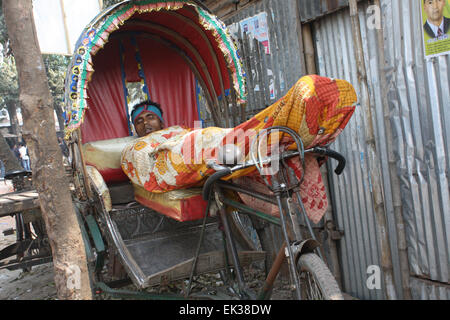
(282, 67)
(313, 9)
(419, 96)
(409, 99)
(354, 210)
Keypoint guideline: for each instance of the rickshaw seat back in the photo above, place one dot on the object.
(105, 156)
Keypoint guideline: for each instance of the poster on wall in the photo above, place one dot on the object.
(436, 27)
(257, 27)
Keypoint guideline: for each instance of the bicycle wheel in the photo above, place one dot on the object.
(316, 280)
(242, 226)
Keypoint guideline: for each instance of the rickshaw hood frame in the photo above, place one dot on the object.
(96, 35)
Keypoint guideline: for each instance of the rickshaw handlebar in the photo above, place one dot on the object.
(223, 171)
(332, 154)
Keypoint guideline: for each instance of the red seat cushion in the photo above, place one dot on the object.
(181, 205)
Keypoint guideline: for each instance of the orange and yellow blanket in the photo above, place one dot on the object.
(317, 108)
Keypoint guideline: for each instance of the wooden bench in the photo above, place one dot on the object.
(11, 203)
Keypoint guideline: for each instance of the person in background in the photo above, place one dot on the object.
(23, 150)
(64, 150)
(16, 152)
(2, 170)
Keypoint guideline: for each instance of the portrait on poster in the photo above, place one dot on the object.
(436, 27)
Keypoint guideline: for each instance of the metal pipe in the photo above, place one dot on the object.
(291, 262)
(294, 219)
(254, 194)
(232, 246)
(268, 284)
(308, 224)
(305, 216)
(87, 185)
(279, 189)
(199, 245)
(374, 162)
(395, 182)
(330, 216)
(251, 211)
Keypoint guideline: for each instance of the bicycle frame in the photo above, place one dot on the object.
(284, 184)
(288, 221)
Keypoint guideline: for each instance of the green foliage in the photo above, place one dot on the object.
(9, 87)
(4, 43)
(56, 66)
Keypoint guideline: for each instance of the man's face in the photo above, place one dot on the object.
(435, 10)
(147, 123)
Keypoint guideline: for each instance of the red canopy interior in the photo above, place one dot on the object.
(170, 80)
(171, 46)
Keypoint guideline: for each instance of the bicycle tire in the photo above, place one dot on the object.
(316, 280)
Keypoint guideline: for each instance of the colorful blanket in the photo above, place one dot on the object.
(317, 108)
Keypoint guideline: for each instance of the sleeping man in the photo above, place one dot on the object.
(147, 117)
(174, 158)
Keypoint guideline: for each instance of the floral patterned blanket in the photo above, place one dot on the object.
(317, 108)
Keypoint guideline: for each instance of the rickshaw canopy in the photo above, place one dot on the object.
(172, 48)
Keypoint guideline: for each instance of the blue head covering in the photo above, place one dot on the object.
(147, 108)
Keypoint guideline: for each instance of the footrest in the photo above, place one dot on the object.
(209, 262)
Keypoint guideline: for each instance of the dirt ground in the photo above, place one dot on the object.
(38, 284)
(35, 285)
(18, 285)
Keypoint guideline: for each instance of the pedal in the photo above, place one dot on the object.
(9, 232)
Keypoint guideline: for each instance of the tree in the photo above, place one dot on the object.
(69, 256)
(9, 91)
(56, 67)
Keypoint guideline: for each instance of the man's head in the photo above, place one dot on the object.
(434, 10)
(147, 117)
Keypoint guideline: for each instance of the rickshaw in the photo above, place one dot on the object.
(179, 54)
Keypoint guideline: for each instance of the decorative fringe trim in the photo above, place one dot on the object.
(96, 36)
